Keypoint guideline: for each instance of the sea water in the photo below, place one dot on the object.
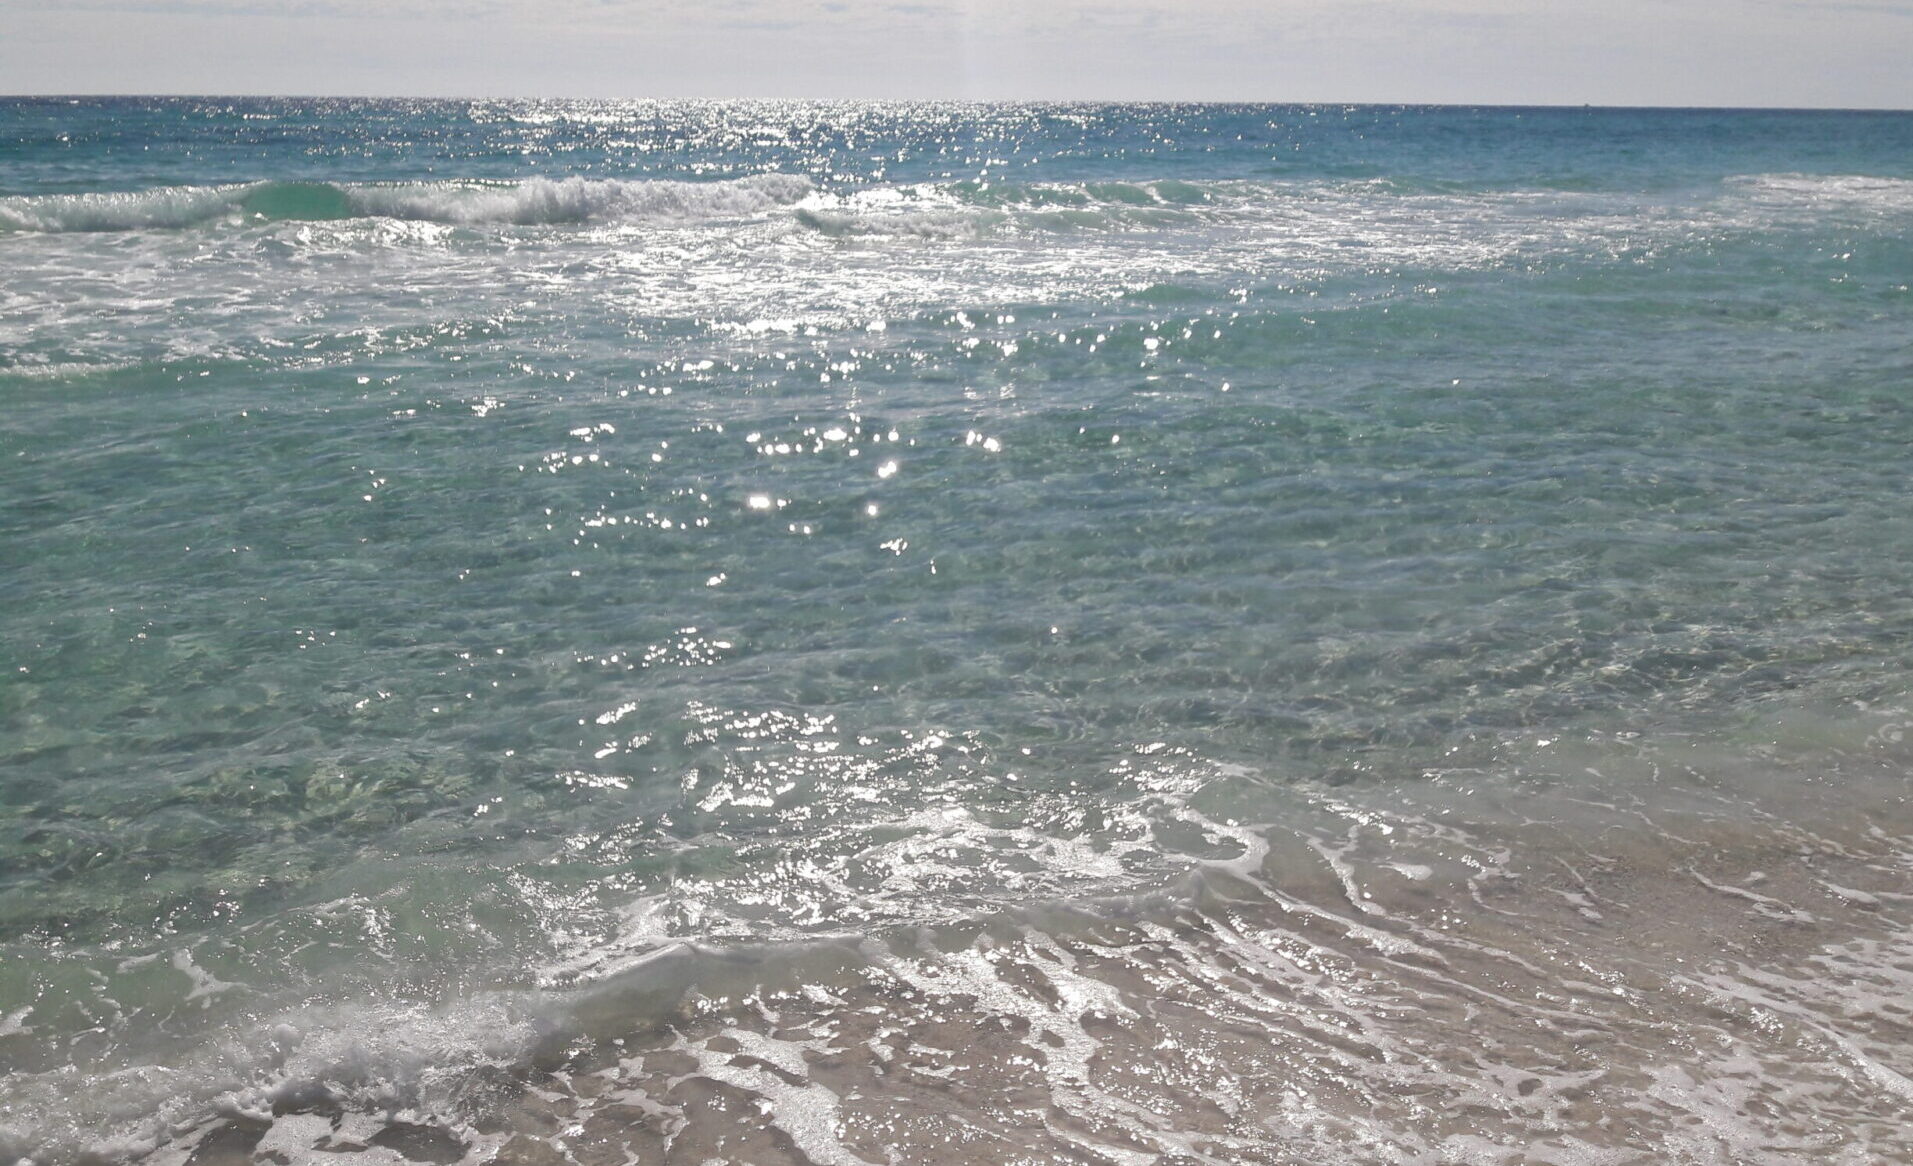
(549, 632)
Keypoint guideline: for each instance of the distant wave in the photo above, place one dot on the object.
(530, 202)
(931, 210)
(966, 209)
(927, 224)
(1859, 191)
(1163, 192)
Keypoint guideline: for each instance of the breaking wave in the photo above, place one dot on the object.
(937, 210)
(950, 210)
(531, 202)
(1329, 981)
(1823, 191)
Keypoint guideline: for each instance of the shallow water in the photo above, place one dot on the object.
(548, 632)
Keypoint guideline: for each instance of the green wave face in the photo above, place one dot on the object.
(298, 201)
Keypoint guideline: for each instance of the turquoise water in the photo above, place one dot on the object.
(819, 632)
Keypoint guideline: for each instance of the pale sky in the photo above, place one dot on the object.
(1605, 52)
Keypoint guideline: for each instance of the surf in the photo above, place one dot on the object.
(531, 202)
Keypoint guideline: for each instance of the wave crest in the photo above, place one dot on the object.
(1823, 191)
(530, 202)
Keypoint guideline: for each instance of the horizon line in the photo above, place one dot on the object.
(976, 101)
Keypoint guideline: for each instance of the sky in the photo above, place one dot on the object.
(1856, 53)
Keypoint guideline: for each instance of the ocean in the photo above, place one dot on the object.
(581, 632)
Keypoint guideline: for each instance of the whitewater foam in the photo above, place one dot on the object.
(1326, 1005)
